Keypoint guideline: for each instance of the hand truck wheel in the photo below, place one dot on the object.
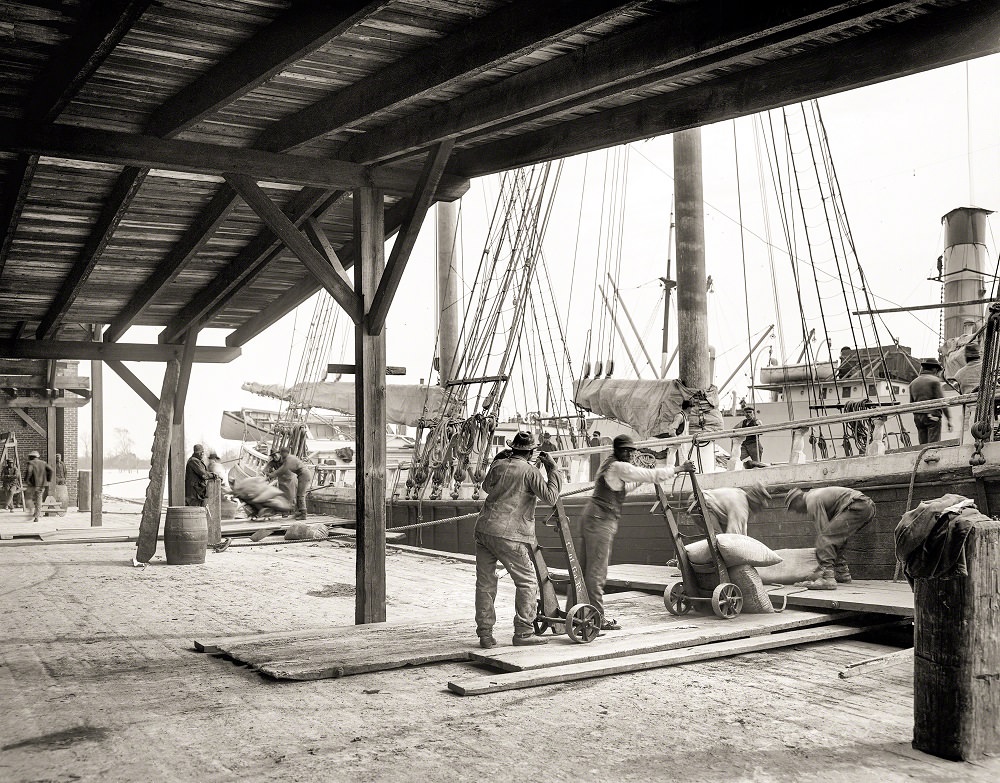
(727, 601)
(583, 623)
(676, 600)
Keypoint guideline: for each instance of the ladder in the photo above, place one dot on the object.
(9, 452)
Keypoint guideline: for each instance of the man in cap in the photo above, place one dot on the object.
(505, 532)
(603, 510)
(750, 450)
(968, 375)
(927, 386)
(196, 478)
(838, 513)
(37, 476)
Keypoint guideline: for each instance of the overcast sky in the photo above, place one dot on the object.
(906, 152)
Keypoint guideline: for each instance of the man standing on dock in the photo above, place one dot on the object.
(603, 510)
(750, 449)
(37, 477)
(838, 513)
(505, 531)
(927, 386)
(196, 478)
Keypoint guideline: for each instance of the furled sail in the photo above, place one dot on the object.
(405, 403)
(650, 407)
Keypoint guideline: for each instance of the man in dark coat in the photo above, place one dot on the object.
(196, 478)
(37, 477)
(927, 386)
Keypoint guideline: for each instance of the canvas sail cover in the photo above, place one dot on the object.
(405, 403)
(649, 407)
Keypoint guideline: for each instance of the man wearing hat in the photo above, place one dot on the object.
(838, 513)
(750, 450)
(603, 510)
(505, 531)
(927, 386)
(37, 476)
(968, 375)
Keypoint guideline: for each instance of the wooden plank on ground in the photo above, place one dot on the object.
(477, 685)
(418, 550)
(338, 652)
(660, 631)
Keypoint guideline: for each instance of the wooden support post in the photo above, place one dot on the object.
(50, 436)
(956, 645)
(97, 438)
(178, 457)
(692, 294)
(735, 448)
(149, 524)
(214, 506)
(369, 356)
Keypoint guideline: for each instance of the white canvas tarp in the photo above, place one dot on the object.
(405, 403)
(649, 407)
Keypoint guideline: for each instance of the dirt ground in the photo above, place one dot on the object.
(99, 682)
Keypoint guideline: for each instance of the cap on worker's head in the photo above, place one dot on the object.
(622, 442)
(523, 441)
(597, 433)
(972, 351)
(198, 447)
(930, 363)
(32, 454)
(546, 435)
(793, 497)
(211, 455)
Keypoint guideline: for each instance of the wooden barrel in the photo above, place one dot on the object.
(185, 535)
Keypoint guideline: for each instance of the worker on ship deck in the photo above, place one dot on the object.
(294, 478)
(927, 386)
(750, 450)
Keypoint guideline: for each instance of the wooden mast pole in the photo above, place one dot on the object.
(447, 282)
(692, 294)
(369, 358)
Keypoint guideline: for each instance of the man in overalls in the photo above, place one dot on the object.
(600, 516)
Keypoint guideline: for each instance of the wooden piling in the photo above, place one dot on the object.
(956, 673)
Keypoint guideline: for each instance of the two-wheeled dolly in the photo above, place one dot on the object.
(581, 621)
(701, 585)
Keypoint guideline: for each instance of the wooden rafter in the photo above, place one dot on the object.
(301, 31)
(302, 290)
(924, 43)
(437, 159)
(319, 267)
(134, 383)
(243, 269)
(487, 42)
(130, 149)
(124, 191)
(24, 417)
(126, 352)
(186, 248)
(23, 169)
(683, 41)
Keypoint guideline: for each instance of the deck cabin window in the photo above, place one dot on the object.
(846, 392)
(871, 390)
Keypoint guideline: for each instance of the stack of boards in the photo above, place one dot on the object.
(650, 638)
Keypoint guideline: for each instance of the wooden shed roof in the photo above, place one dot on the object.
(141, 141)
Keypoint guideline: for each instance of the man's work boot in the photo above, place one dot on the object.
(824, 581)
(300, 515)
(842, 574)
(487, 642)
(528, 640)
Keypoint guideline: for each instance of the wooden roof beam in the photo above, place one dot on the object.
(487, 42)
(304, 289)
(128, 149)
(437, 158)
(134, 383)
(125, 352)
(319, 267)
(681, 41)
(186, 248)
(95, 39)
(125, 188)
(243, 269)
(921, 44)
(305, 28)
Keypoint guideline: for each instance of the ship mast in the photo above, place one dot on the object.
(449, 309)
(692, 291)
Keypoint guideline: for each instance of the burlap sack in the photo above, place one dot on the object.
(797, 565)
(304, 531)
(755, 597)
(735, 549)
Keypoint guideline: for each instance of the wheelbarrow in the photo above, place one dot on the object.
(701, 586)
(581, 621)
